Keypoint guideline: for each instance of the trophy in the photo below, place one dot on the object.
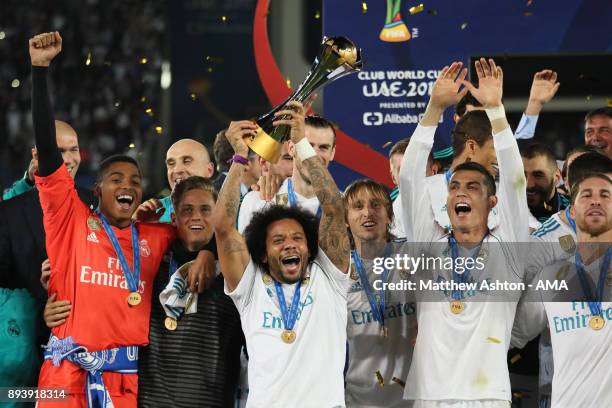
(395, 29)
(337, 57)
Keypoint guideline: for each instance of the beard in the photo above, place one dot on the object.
(542, 193)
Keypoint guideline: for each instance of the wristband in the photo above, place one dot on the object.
(496, 113)
(239, 159)
(304, 150)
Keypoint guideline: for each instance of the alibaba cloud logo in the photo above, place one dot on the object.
(372, 118)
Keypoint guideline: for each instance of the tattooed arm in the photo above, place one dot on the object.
(231, 247)
(333, 233)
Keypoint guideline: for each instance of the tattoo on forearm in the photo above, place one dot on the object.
(229, 197)
(333, 236)
(234, 245)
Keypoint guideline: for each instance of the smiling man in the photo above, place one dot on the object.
(463, 338)
(91, 264)
(291, 294)
(598, 129)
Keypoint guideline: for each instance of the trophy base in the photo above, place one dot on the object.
(395, 32)
(265, 146)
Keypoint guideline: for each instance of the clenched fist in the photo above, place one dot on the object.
(44, 47)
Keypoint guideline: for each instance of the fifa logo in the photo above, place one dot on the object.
(395, 30)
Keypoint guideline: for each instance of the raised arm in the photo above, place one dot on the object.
(512, 196)
(333, 234)
(231, 247)
(419, 223)
(43, 48)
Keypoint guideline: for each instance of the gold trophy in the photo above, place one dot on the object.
(338, 57)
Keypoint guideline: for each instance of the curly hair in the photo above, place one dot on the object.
(256, 232)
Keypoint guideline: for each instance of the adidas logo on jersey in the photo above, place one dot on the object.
(93, 238)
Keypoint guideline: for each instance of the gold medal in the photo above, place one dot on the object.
(170, 323)
(457, 307)
(134, 299)
(306, 279)
(93, 223)
(267, 279)
(288, 336)
(597, 322)
(567, 243)
(190, 299)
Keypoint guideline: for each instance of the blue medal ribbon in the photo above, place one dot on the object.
(377, 305)
(289, 316)
(594, 302)
(132, 279)
(172, 266)
(292, 197)
(448, 174)
(465, 276)
(570, 219)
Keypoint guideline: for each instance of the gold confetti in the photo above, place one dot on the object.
(588, 98)
(518, 395)
(387, 144)
(528, 14)
(288, 83)
(193, 97)
(159, 130)
(609, 102)
(149, 111)
(379, 377)
(364, 7)
(143, 99)
(515, 358)
(317, 15)
(416, 9)
(132, 145)
(494, 340)
(398, 381)
(464, 25)
(15, 83)
(224, 19)
(143, 60)
(210, 69)
(88, 60)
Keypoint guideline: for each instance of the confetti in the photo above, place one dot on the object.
(132, 145)
(515, 358)
(317, 15)
(518, 395)
(288, 83)
(387, 144)
(159, 130)
(15, 83)
(88, 60)
(588, 98)
(149, 111)
(528, 14)
(210, 69)
(364, 7)
(117, 104)
(494, 340)
(224, 19)
(143, 60)
(610, 102)
(416, 9)
(2, 35)
(433, 12)
(143, 99)
(398, 381)
(379, 377)
(193, 97)
(464, 25)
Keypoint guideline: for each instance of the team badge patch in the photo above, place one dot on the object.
(567, 243)
(144, 248)
(93, 223)
(282, 199)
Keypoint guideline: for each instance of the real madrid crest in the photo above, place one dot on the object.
(93, 223)
(282, 199)
(567, 243)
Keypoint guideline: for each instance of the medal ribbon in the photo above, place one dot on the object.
(570, 219)
(594, 302)
(378, 307)
(465, 276)
(292, 197)
(172, 266)
(448, 174)
(289, 316)
(132, 279)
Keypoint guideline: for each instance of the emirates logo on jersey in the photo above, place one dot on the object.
(144, 248)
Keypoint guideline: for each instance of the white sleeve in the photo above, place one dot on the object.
(512, 194)
(418, 217)
(243, 292)
(340, 281)
(250, 203)
(530, 318)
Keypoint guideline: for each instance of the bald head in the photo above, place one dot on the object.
(186, 158)
(68, 145)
